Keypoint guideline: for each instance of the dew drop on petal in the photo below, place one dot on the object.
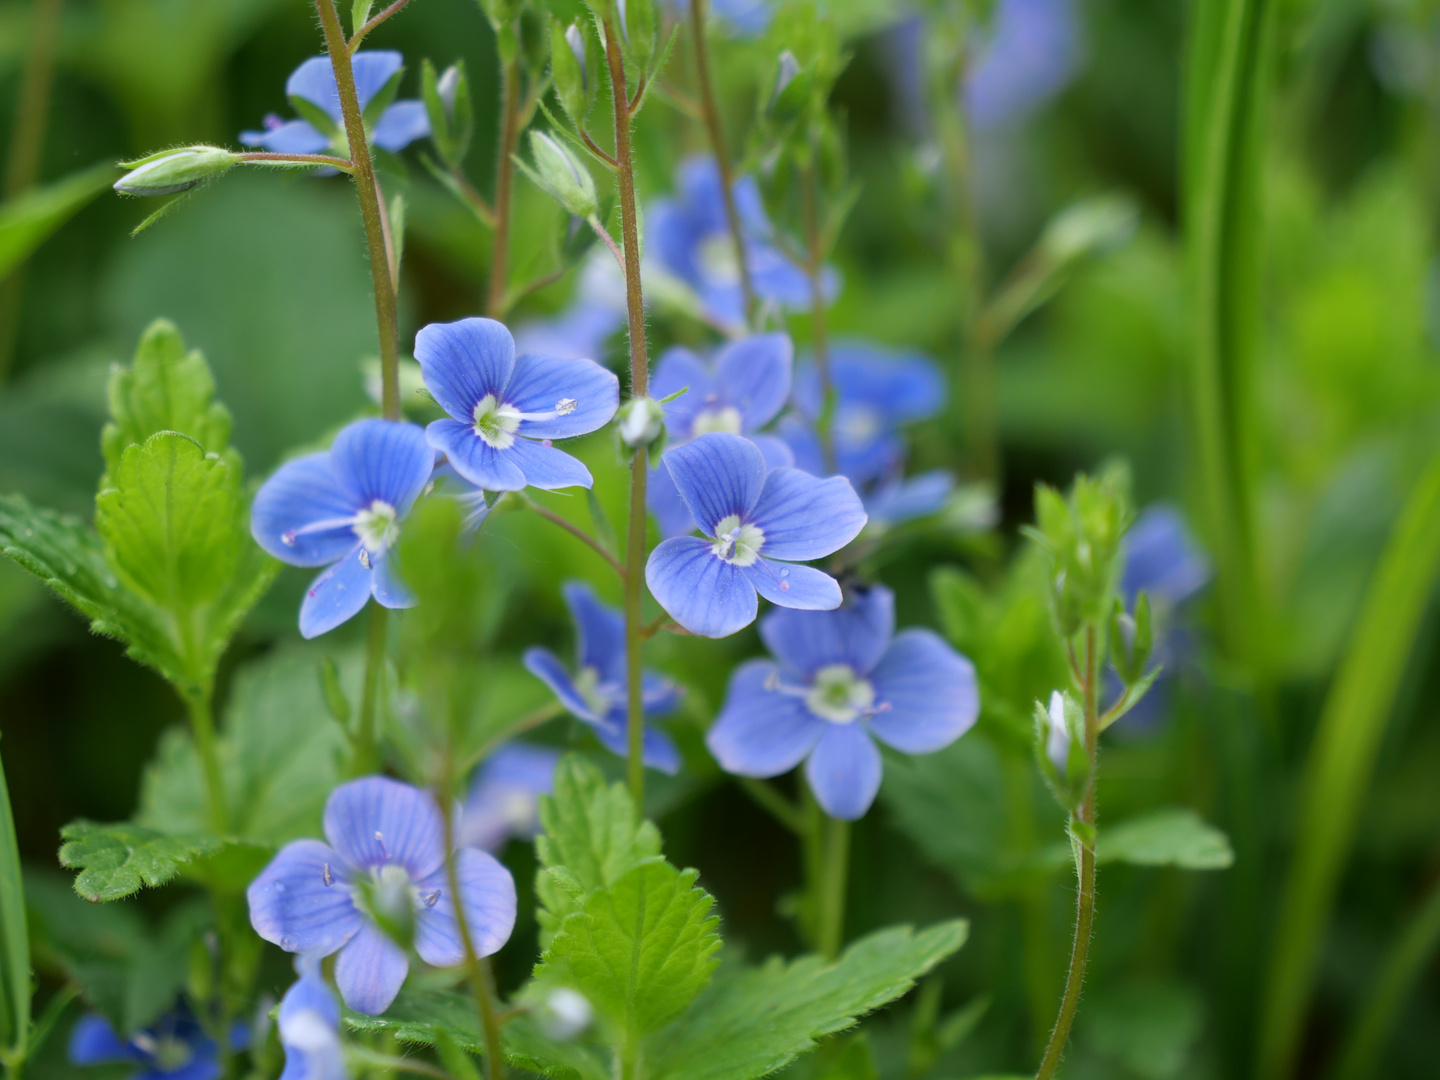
(784, 586)
(287, 943)
(279, 886)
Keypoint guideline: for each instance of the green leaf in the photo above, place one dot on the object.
(641, 949)
(752, 1023)
(117, 860)
(1149, 1027)
(28, 220)
(1171, 837)
(15, 987)
(593, 832)
(165, 389)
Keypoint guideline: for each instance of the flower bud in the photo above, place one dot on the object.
(567, 68)
(787, 95)
(1091, 226)
(566, 1014)
(561, 174)
(641, 422)
(447, 104)
(172, 171)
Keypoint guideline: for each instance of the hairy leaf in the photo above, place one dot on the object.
(754, 1022)
(1174, 836)
(117, 860)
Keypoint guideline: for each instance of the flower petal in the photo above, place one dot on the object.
(370, 971)
(904, 499)
(336, 595)
(94, 1042)
(753, 375)
(599, 630)
(372, 71)
(656, 749)
(544, 665)
(803, 442)
(1161, 558)
(473, 458)
(844, 771)
(400, 125)
(291, 906)
(314, 81)
(294, 137)
(375, 820)
(385, 583)
(663, 499)
(383, 459)
(761, 731)
(717, 475)
(703, 593)
(659, 694)
(463, 361)
(487, 896)
(540, 384)
(927, 692)
(300, 493)
(807, 518)
(775, 451)
(678, 369)
(792, 585)
(855, 634)
(548, 467)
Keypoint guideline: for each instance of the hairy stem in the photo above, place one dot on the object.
(639, 387)
(1085, 872)
(504, 183)
(366, 749)
(367, 191)
(375, 20)
(202, 725)
(715, 128)
(264, 157)
(482, 982)
(835, 841)
(820, 338)
(577, 532)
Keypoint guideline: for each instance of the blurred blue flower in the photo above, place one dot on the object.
(385, 859)
(173, 1048)
(397, 127)
(505, 409)
(898, 499)
(844, 679)
(1030, 54)
(748, 18)
(504, 798)
(875, 392)
(595, 312)
(688, 239)
(342, 509)
(598, 691)
(755, 521)
(741, 391)
(309, 1026)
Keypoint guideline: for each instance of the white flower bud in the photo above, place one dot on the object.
(173, 171)
(561, 174)
(1094, 225)
(566, 1014)
(641, 422)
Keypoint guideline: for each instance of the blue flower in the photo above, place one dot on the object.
(505, 796)
(875, 392)
(689, 238)
(1032, 52)
(898, 499)
(342, 509)
(755, 521)
(309, 1025)
(174, 1048)
(387, 855)
(595, 312)
(843, 679)
(314, 82)
(740, 392)
(505, 409)
(748, 18)
(597, 693)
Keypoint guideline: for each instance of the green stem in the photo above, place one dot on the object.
(202, 725)
(776, 804)
(366, 757)
(504, 182)
(820, 338)
(1085, 872)
(577, 532)
(367, 190)
(710, 109)
(262, 157)
(639, 387)
(834, 879)
(629, 1059)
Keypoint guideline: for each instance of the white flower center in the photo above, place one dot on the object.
(857, 424)
(839, 695)
(496, 422)
(378, 526)
(717, 259)
(738, 542)
(726, 419)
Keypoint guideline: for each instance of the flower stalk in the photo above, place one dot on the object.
(202, 726)
(820, 338)
(498, 299)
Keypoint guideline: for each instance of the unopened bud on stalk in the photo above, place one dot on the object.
(173, 171)
(567, 68)
(783, 106)
(1090, 226)
(641, 422)
(447, 104)
(563, 176)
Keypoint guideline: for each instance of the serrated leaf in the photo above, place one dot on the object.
(164, 389)
(117, 860)
(593, 831)
(1175, 836)
(757, 1021)
(640, 950)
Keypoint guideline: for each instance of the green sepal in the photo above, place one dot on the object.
(384, 97)
(318, 118)
(359, 14)
(566, 71)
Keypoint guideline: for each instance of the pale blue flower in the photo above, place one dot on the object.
(1031, 53)
(504, 798)
(175, 1047)
(309, 1026)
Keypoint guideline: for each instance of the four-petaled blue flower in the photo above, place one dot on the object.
(173, 1048)
(309, 1026)
(898, 499)
(688, 237)
(740, 392)
(504, 798)
(314, 83)
(386, 857)
(748, 18)
(875, 392)
(755, 522)
(505, 409)
(843, 681)
(598, 692)
(342, 508)
(1032, 52)
(596, 310)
